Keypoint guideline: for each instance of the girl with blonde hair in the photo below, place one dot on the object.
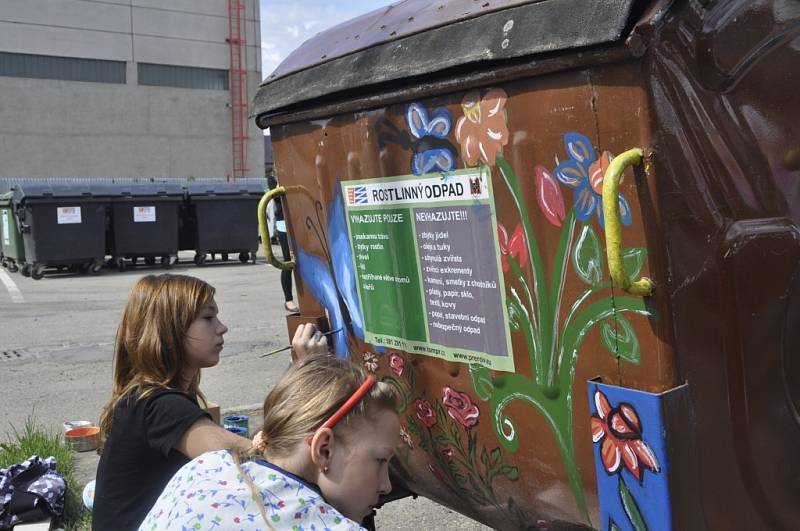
(322, 462)
(153, 424)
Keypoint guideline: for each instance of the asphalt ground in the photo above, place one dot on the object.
(56, 343)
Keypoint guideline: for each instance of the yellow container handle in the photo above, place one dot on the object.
(264, 233)
(644, 286)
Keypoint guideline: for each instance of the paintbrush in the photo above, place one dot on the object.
(287, 347)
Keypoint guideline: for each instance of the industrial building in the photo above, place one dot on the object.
(129, 88)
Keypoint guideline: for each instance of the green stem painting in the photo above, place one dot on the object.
(554, 343)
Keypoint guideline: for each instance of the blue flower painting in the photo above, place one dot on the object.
(431, 152)
(426, 138)
(584, 172)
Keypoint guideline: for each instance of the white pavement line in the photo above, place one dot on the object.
(13, 290)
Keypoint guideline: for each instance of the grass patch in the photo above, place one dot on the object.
(33, 439)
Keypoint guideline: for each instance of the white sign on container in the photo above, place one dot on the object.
(6, 235)
(144, 214)
(68, 215)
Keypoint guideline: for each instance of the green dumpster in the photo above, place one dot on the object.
(12, 250)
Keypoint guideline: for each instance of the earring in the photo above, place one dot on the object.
(325, 469)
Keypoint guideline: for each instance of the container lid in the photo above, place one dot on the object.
(25, 191)
(244, 186)
(414, 38)
(154, 189)
(6, 198)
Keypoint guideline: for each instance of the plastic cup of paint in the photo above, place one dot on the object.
(72, 424)
(242, 421)
(237, 430)
(83, 439)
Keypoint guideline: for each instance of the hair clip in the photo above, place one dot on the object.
(346, 407)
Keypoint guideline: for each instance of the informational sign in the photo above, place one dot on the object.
(144, 214)
(6, 227)
(428, 268)
(68, 215)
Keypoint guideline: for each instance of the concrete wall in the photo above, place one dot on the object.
(63, 128)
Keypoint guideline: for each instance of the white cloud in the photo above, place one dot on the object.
(270, 56)
(293, 31)
(286, 24)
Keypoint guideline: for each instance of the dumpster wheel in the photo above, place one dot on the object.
(244, 257)
(200, 258)
(37, 272)
(94, 267)
(10, 265)
(120, 263)
(25, 271)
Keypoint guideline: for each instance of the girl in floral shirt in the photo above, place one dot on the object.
(321, 460)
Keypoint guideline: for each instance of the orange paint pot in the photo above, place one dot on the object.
(83, 439)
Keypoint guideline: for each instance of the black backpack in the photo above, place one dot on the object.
(31, 491)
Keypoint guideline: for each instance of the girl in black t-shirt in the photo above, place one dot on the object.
(153, 424)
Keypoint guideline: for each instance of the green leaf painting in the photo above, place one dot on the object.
(587, 258)
(620, 339)
(633, 260)
(631, 508)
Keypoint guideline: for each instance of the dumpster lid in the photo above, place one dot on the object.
(245, 186)
(418, 37)
(24, 191)
(145, 189)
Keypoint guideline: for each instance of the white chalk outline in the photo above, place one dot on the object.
(13, 290)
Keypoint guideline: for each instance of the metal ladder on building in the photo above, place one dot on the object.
(237, 41)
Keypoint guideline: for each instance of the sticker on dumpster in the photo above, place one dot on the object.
(144, 214)
(68, 215)
(6, 233)
(428, 267)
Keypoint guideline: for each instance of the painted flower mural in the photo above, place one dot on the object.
(397, 364)
(482, 131)
(460, 407)
(426, 138)
(425, 413)
(548, 194)
(370, 362)
(631, 462)
(619, 432)
(406, 437)
(583, 173)
(443, 430)
(553, 328)
(513, 246)
(553, 324)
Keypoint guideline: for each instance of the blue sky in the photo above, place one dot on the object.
(285, 24)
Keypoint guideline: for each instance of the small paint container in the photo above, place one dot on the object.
(83, 439)
(237, 430)
(241, 421)
(72, 424)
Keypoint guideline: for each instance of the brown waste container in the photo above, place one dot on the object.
(446, 166)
